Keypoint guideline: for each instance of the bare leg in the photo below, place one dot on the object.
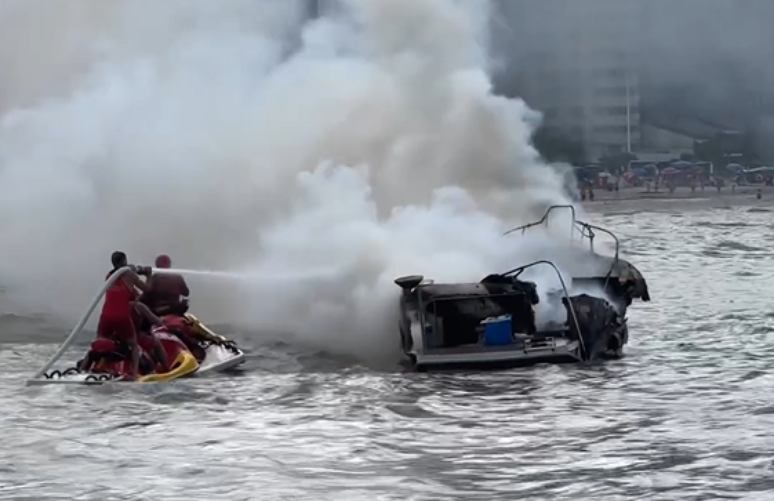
(135, 353)
(146, 313)
(158, 351)
(161, 355)
(86, 362)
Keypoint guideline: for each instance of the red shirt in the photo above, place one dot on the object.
(118, 299)
(166, 289)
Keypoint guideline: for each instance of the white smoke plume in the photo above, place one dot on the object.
(239, 136)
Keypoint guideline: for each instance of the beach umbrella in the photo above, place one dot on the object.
(682, 165)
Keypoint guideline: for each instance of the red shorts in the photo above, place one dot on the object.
(118, 328)
(122, 329)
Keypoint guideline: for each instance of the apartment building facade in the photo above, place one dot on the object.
(578, 66)
(575, 64)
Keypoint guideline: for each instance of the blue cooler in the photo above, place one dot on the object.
(498, 331)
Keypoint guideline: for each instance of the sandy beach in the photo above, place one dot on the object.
(638, 199)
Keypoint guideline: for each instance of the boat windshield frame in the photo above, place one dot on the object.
(584, 229)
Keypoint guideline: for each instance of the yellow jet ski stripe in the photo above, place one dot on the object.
(184, 364)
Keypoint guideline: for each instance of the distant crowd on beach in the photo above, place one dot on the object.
(668, 178)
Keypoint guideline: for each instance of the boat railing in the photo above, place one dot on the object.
(80, 325)
(543, 221)
(566, 293)
(584, 229)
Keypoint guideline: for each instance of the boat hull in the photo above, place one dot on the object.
(477, 357)
(603, 338)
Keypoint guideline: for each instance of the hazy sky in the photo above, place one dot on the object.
(707, 58)
(713, 58)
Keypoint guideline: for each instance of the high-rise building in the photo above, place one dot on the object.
(580, 72)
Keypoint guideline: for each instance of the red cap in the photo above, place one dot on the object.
(163, 261)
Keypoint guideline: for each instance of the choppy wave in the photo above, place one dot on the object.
(685, 416)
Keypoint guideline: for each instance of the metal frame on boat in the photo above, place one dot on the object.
(426, 333)
(595, 327)
(584, 229)
(621, 279)
(221, 355)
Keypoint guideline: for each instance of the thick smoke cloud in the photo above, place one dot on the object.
(322, 159)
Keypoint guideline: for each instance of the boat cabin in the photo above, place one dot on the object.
(490, 313)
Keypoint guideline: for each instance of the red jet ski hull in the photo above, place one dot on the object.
(111, 357)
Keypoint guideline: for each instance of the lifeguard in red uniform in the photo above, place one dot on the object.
(167, 292)
(115, 321)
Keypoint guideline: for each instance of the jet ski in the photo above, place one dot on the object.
(192, 349)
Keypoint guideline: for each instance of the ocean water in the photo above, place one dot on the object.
(688, 414)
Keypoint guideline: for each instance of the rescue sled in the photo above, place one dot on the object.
(191, 348)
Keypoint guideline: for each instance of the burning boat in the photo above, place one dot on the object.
(492, 323)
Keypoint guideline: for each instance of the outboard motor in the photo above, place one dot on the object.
(599, 324)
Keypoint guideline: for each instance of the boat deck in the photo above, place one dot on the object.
(520, 342)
